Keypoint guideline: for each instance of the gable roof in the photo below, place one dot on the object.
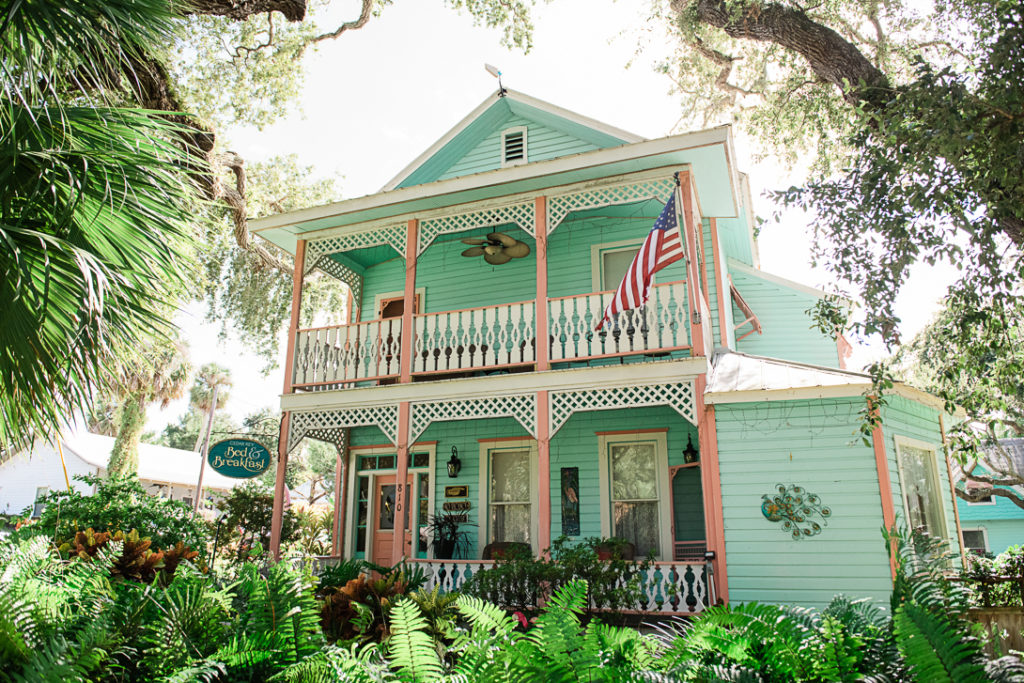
(156, 463)
(504, 108)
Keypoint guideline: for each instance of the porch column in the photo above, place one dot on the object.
(541, 229)
(884, 485)
(409, 303)
(711, 483)
(692, 273)
(340, 477)
(401, 487)
(543, 471)
(289, 377)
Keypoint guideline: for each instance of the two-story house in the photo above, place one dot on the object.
(713, 428)
(995, 523)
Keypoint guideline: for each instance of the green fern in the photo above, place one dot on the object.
(410, 649)
(936, 650)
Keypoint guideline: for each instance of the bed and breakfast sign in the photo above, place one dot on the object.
(239, 458)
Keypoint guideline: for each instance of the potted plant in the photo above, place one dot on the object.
(446, 535)
(615, 549)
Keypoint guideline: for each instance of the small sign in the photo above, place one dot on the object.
(457, 506)
(239, 458)
(461, 519)
(456, 491)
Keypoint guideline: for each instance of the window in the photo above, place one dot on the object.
(984, 500)
(509, 483)
(513, 146)
(919, 479)
(614, 265)
(975, 541)
(39, 505)
(634, 481)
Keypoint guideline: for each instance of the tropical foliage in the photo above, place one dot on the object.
(94, 203)
(245, 514)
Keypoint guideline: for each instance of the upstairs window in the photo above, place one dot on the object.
(513, 146)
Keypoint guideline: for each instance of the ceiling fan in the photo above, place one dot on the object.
(497, 248)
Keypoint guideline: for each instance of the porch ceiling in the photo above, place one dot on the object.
(707, 153)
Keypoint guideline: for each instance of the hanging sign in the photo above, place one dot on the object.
(456, 491)
(456, 506)
(239, 458)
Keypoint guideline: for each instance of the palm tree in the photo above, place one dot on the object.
(101, 417)
(95, 203)
(210, 377)
(160, 374)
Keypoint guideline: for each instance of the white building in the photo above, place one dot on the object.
(25, 476)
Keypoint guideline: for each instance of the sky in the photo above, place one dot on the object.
(375, 98)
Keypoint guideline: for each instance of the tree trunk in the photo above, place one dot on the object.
(124, 456)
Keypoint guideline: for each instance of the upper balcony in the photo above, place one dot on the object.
(423, 309)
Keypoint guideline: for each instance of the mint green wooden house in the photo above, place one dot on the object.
(470, 380)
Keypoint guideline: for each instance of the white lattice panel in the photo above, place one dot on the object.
(679, 396)
(522, 407)
(559, 206)
(522, 214)
(385, 417)
(340, 271)
(393, 235)
(337, 437)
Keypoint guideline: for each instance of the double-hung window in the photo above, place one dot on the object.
(634, 478)
(919, 480)
(509, 480)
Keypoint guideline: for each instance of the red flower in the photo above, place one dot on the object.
(521, 617)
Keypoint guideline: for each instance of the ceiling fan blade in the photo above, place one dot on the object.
(518, 250)
(493, 249)
(505, 240)
(498, 258)
(473, 251)
(474, 240)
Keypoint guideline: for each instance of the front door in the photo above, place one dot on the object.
(385, 496)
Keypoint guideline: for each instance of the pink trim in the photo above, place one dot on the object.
(544, 470)
(689, 213)
(711, 484)
(340, 500)
(884, 486)
(277, 513)
(506, 438)
(653, 430)
(844, 349)
(470, 368)
(611, 291)
(952, 493)
(638, 352)
(348, 380)
(402, 482)
(343, 325)
(475, 308)
(541, 232)
(720, 283)
(419, 444)
(405, 354)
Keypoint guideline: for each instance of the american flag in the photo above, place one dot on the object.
(662, 247)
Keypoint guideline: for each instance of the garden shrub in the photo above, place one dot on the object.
(359, 608)
(118, 504)
(996, 582)
(247, 512)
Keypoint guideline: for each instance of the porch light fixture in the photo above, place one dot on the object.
(454, 464)
(690, 454)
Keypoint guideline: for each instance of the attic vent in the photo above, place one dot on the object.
(513, 146)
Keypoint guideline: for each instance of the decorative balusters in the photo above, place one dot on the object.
(451, 575)
(343, 354)
(658, 326)
(475, 338)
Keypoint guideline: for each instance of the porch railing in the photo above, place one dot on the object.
(342, 354)
(660, 326)
(475, 338)
(669, 588)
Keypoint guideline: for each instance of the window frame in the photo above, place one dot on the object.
(484, 514)
(984, 538)
(901, 442)
(352, 474)
(381, 298)
(597, 252)
(660, 441)
(38, 508)
(504, 137)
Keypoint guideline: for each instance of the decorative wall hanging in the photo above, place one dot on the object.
(570, 501)
(796, 509)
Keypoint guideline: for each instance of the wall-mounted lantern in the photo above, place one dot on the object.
(690, 454)
(454, 464)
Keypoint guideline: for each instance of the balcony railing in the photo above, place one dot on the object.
(475, 338)
(658, 327)
(491, 337)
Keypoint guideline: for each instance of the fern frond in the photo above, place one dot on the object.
(409, 648)
(934, 648)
